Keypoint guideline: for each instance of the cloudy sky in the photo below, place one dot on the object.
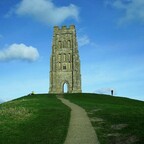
(110, 36)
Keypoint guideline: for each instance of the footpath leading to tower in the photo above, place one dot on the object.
(80, 128)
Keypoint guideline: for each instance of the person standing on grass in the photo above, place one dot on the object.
(112, 92)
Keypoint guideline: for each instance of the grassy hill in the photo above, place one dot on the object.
(36, 119)
(116, 120)
(43, 119)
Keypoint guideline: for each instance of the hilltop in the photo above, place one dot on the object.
(42, 118)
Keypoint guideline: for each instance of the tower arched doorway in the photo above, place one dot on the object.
(65, 87)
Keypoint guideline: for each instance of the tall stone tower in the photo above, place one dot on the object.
(65, 62)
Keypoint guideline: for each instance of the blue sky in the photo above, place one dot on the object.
(110, 35)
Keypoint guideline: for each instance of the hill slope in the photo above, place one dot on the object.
(43, 119)
(36, 119)
(116, 120)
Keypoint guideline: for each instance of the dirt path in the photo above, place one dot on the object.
(80, 129)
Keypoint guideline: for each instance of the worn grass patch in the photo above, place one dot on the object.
(36, 119)
(15, 113)
(116, 120)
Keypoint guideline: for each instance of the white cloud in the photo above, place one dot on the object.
(83, 40)
(133, 10)
(19, 52)
(46, 12)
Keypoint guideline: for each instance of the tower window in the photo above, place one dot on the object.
(64, 67)
(64, 57)
(59, 57)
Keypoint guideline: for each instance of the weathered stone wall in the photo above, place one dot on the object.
(65, 62)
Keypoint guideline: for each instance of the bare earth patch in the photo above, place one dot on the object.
(123, 139)
(119, 126)
(114, 134)
(96, 119)
(131, 139)
(115, 137)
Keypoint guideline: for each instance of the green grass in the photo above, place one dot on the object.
(36, 119)
(116, 120)
(43, 119)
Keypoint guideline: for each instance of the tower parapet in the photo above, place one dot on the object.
(57, 28)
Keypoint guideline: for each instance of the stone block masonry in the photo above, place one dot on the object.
(65, 61)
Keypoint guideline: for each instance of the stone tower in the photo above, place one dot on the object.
(65, 62)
